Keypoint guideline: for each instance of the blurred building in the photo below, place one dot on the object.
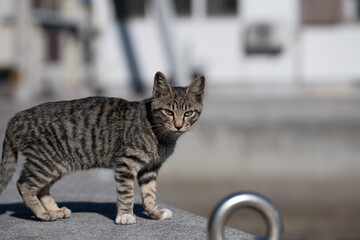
(45, 45)
(50, 43)
(252, 42)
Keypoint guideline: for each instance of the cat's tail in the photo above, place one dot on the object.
(8, 163)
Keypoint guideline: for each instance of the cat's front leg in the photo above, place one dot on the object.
(124, 178)
(147, 183)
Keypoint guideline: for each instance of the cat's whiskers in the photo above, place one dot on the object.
(160, 130)
(196, 131)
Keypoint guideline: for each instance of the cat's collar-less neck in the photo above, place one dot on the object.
(167, 138)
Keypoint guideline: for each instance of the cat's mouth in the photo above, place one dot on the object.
(179, 131)
(174, 130)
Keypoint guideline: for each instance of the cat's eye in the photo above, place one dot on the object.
(188, 113)
(169, 113)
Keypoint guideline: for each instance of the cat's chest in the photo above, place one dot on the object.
(165, 150)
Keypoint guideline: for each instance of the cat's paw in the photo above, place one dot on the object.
(63, 212)
(47, 216)
(166, 214)
(67, 212)
(125, 219)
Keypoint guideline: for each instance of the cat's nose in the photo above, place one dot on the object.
(178, 124)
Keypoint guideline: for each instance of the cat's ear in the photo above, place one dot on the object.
(195, 90)
(161, 86)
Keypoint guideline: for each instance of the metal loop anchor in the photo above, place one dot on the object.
(251, 200)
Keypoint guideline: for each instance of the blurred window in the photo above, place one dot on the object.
(46, 4)
(52, 44)
(221, 7)
(351, 10)
(183, 7)
(321, 11)
(356, 9)
(262, 38)
(129, 8)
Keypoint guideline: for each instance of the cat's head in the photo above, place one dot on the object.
(175, 109)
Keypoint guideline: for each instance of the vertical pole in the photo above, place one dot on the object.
(124, 35)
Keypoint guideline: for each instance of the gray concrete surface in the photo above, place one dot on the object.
(93, 206)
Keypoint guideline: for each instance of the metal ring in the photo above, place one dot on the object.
(252, 200)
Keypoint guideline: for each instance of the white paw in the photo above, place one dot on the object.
(125, 219)
(167, 214)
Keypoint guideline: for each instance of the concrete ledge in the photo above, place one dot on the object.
(93, 206)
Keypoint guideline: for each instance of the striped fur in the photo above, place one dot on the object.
(132, 138)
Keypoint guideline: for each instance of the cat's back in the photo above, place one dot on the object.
(74, 117)
(89, 107)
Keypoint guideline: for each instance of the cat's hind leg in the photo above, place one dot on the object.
(50, 205)
(35, 177)
(29, 195)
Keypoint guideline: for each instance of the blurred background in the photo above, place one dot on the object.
(281, 112)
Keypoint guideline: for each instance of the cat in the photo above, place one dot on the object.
(132, 138)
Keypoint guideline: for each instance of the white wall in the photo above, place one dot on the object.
(214, 46)
(331, 54)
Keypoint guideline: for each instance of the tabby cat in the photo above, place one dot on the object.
(132, 138)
